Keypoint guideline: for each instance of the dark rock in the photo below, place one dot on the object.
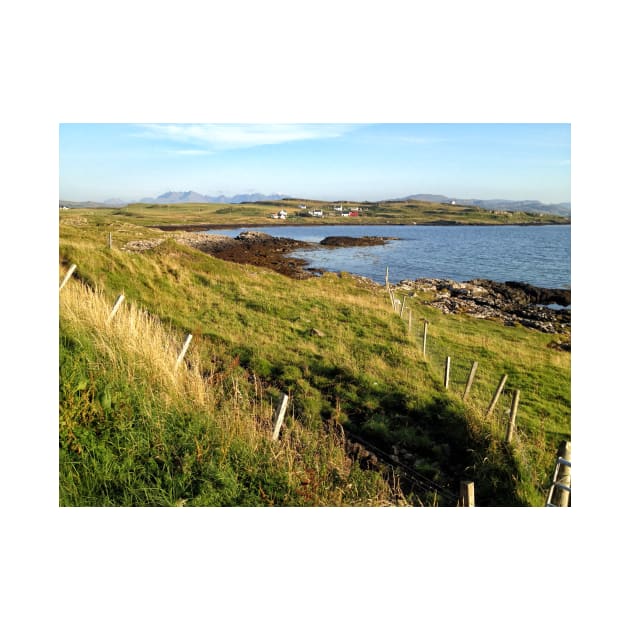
(512, 303)
(253, 236)
(352, 241)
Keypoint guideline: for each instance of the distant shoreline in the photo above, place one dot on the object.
(197, 227)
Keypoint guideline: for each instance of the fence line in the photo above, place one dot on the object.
(466, 488)
(510, 429)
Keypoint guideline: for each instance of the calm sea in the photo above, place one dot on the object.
(539, 255)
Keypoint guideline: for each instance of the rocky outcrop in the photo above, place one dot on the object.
(200, 241)
(510, 302)
(355, 241)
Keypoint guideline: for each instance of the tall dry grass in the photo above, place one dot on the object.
(136, 347)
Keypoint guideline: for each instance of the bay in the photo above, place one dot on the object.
(538, 255)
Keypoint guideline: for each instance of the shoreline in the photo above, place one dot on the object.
(511, 302)
(197, 227)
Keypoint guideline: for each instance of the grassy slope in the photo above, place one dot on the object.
(366, 372)
(135, 431)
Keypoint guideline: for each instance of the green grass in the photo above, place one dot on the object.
(253, 328)
(135, 432)
(407, 212)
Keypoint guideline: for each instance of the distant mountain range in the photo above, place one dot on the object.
(190, 196)
(562, 209)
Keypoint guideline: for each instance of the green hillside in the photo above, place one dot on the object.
(135, 431)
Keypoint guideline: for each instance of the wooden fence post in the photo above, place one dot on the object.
(279, 416)
(466, 494)
(409, 321)
(180, 358)
(469, 383)
(561, 497)
(512, 422)
(424, 339)
(119, 301)
(67, 276)
(447, 371)
(387, 277)
(402, 306)
(495, 398)
(109, 240)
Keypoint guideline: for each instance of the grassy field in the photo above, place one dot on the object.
(408, 212)
(133, 432)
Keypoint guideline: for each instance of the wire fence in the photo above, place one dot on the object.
(492, 397)
(460, 377)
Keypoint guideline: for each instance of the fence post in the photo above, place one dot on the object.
(469, 383)
(409, 321)
(512, 422)
(402, 306)
(119, 301)
(561, 497)
(447, 371)
(67, 276)
(466, 494)
(180, 358)
(424, 339)
(387, 278)
(279, 416)
(495, 398)
(109, 240)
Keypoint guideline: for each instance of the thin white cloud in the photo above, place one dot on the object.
(419, 139)
(216, 137)
(191, 152)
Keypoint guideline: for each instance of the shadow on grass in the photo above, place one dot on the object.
(432, 436)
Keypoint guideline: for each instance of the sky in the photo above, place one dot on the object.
(360, 162)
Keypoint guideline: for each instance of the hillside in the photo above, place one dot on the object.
(190, 197)
(560, 209)
(262, 212)
(369, 421)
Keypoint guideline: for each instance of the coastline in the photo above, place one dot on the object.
(198, 227)
(513, 303)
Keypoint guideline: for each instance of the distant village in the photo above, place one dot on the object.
(331, 211)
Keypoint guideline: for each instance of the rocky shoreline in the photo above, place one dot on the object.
(513, 303)
(259, 248)
(509, 302)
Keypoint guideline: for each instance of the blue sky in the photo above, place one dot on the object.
(318, 161)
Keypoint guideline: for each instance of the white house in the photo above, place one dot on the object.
(282, 214)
